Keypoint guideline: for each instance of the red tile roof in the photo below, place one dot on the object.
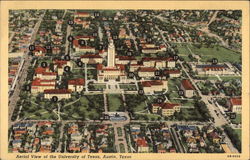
(39, 82)
(141, 142)
(79, 81)
(99, 66)
(187, 84)
(213, 68)
(82, 13)
(57, 91)
(42, 123)
(39, 48)
(166, 105)
(125, 57)
(41, 70)
(76, 44)
(110, 69)
(172, 71)
(116, 68)
(152, 83)
(59, 62)
(147, 69)
(235, 101)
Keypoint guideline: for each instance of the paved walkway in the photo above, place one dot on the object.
(120, 139)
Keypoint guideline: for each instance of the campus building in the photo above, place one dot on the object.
(149, 87)
(112, 71)
(235, 105)
(76, 85)
(165, 109)
(91, 59)
(158, 62)
(39, 85)
(60, 64)
(188, 88)
(59, 93)
(44, 73)
(146, 72)
(207, 69)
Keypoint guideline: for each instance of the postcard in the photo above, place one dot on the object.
(124, 80)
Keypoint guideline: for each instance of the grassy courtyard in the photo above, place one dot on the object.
(115, 102)
(128, 87)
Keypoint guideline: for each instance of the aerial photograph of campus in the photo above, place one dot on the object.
(125, 81)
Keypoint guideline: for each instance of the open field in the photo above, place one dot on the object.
(221, 53)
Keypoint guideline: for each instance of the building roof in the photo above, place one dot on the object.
(60, 62)
(40, 82)
(235, 101)
(187, 84)
(99, 66)
(41, 70)
(211, 67)
(125, 57)
(141, 142)
(172, 71)
(57, 91)
(39, 48)
(152, 83)
(147, 69)
(82, 13)
(79, 81)
(166, 105)
(116, 68)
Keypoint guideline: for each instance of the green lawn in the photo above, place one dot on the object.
(172, 84)
(137, 102)
(78, 73)
(188, 114)
(140, 107)
(148, 116)
(173, 95)
(237, 119)
(98, 86)
(128, 86)
(238, 131)
(114, 102)
(85, 107)
(208, 77)
(119, 131)
(122, 148)
(183, 102)
(226, 78)
(221, 53)
(183, 52)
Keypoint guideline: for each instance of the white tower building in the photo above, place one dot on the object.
(111, 54)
